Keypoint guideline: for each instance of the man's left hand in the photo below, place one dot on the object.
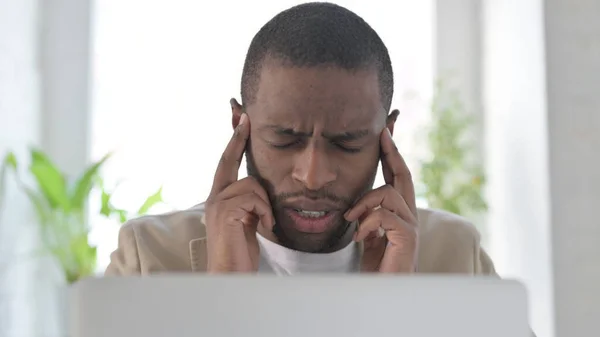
(388, 217)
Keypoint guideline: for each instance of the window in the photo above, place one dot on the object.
(164, 72)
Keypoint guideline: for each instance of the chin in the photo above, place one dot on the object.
(310, 242)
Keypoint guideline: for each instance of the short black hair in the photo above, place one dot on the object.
(314, 34)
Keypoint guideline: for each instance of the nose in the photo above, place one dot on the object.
(314, 168)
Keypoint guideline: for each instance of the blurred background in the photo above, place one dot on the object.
(114, 109)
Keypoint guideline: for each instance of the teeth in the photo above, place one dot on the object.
(310, 214)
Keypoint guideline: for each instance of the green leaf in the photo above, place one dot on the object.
(105, 208)
(62, 227)
(71, 276)
(85, 183)
(11, 161)
(39, 203)
(122, 215)
(84, 254)
(150, 202)
(50, 180)
(78, 259)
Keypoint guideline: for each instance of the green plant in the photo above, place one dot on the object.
(61, 204)
(452, 176)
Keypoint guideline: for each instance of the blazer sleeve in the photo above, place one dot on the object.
(125, 259)
(483, 263)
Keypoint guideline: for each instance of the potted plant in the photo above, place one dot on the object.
(61, 204)
(451, 174)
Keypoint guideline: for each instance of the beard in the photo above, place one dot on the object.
(331, 240)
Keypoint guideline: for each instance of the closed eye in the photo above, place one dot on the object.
(287, 145)
(339, 145)
(346, 148)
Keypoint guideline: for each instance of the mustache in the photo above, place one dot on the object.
(321, 194)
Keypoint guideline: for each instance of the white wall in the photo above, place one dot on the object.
(44, 72)
(19, 127)
(65, 34)
(542, 67)
(458, 48)
(65, 47)
(458, 65)
(573, 73)
(517, 150)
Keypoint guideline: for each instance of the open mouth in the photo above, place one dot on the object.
(310, 221)
(311, 214)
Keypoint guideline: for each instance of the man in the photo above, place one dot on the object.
(314, 124)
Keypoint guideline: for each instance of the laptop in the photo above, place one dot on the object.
(299, 306)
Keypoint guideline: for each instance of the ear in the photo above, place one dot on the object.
(391, 120)
(236, 112)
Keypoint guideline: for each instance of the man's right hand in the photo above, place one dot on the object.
(233, 211)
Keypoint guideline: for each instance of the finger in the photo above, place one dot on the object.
(386, 197)
(366, 214)
(244, 186)
(395, 170)
(379, 219)
(401, 250)
(241, 206)
(229, 164)
(397, 249)
(373, 251)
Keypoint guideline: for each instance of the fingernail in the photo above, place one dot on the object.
(243, 119)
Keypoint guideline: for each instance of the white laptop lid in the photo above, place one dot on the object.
(299, 306)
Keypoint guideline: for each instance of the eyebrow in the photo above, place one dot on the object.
(341, 137)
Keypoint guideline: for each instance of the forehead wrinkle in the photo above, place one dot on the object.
(295, 82)
(329, 99)
(308, 119)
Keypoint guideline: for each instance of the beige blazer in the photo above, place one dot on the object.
(176, 242)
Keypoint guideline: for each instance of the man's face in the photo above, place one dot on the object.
(314, 146)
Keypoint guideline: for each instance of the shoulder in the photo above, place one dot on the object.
(435, 224)
(449, 243)
(157, 243)
(182, 225)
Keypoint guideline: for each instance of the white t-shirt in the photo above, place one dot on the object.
(280, 260)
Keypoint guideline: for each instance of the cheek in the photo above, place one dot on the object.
(360, 170)
(270, 164)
